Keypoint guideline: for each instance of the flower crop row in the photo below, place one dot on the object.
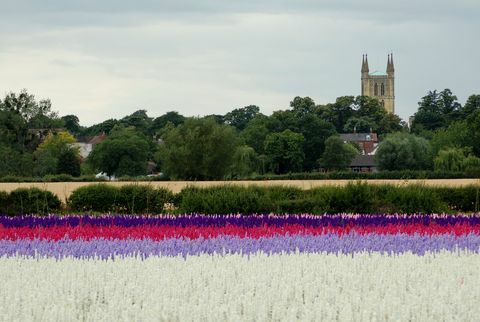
(89, 232)
(295, 287)
(241, 220)
(108, 236)
(329, 243)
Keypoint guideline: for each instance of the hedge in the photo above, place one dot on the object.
(355, 197)
(126, 199)
(358, 197)
(24, 201)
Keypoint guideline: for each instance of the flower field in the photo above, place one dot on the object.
(253, 268)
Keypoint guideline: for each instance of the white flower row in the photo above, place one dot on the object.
(299, 287)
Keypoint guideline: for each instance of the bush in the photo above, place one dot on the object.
(461, 199)
(354, 198)
(143, 199)
(411, 199)
(236, 199)
(3, 203)
(32, 201)
(133, 199)
(96, 197)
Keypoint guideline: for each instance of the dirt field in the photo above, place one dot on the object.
(64, 189)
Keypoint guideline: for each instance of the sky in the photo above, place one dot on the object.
(106, 59)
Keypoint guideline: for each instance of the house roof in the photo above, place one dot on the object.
(98, 139)
(363, 161)
(358, 137)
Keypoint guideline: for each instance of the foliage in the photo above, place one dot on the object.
(135, 199)
(97, 197)
(240, 117)
(285, 151)
(124, 152)
(69, 163)
(402, 151)
(32, 201)
(245, 162)
(198, 149)
(337, 155)
(56, 155)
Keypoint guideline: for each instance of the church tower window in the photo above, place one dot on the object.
(382, 90)
(375, 90)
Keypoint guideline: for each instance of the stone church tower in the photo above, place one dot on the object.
(380, 85)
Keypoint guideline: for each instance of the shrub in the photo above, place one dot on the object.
(143, 199)
(3, 202)
(96, 197)
(411, 199)
(236, 199)
(460, 199)
(32, 201)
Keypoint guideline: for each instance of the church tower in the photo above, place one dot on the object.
(379, 84)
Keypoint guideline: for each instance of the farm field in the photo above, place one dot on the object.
(64, 189)
(234, 267)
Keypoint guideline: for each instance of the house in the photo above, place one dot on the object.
(85, 144)
(363, 163)
(368, 142)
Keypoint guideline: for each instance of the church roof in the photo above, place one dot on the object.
(378, 73)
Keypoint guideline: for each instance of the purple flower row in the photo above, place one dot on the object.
(330, 243)
(240, 220)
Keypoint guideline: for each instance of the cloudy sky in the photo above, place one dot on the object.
(106, 59)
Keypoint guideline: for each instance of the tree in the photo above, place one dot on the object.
(124, 152)
(104, 127)
(173, 117)
(436, 110)
(240, 117)
(315, 131)
(471, 106)
(302, 105)
(362, 124)
(138, 120)
(244, 162)
(402, 151)
(337, 155)
(198, 149)
(339, 112)
(69, 163)
(456, 135)
(390, 123)
(71, 123)
(455, 159)
(55, 149)
(256, 131)
(14, 162)
(285, 151)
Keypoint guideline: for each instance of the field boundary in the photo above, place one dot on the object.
(64, 189)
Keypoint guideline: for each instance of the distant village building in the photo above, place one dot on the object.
(379, 84)
(85, 144)
(368, 143)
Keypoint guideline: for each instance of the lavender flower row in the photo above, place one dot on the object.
(331, 243)
(240, 220)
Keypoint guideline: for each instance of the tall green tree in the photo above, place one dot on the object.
(337, 155)
(456, 159)
(198, 149)
(284, 151)
(124, 153)
(240, 117)
(403, 151)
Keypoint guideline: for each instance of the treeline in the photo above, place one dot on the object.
(244, 143)
(356, 197)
